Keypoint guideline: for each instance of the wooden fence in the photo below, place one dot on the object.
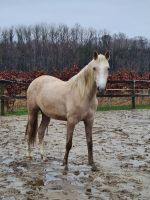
(131, 89)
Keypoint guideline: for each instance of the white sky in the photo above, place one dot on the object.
(131, 17)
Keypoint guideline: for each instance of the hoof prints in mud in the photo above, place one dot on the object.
(121, 151)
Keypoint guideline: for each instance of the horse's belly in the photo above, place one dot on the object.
(53, 115)
(54, 111)
(58, 117)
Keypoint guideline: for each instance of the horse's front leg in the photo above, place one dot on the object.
(70, 129)
(88, 130)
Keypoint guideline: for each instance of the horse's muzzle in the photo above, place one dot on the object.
(101, 91)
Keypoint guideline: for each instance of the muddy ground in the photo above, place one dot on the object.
(121, 151)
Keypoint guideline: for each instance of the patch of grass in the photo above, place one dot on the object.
(19, 111)
(143, 106)
(121, 107)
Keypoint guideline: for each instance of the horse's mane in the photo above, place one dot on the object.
(83, 81)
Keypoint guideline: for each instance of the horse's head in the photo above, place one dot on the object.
(101, 69)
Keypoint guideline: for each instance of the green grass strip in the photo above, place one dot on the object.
(23, 111)
(18, 112)
(121, 107)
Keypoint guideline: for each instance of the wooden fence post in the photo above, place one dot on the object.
(2, 100)
(149, 91)
(2, 107)
(133, 94)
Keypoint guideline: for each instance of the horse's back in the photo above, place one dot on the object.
(39, 82)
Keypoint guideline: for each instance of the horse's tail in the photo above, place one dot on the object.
(31, 129)
(26, 132)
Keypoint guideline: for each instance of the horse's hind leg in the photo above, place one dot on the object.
(41, 131)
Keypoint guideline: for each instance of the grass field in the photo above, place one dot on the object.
(23, 111)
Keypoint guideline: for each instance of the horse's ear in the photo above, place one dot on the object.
(95, 56)
(107, 55)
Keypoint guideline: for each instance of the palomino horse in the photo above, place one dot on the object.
(72, 101)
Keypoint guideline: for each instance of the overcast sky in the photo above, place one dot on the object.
(131, 17)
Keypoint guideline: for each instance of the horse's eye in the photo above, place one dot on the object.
(94, 68)
(108, 68)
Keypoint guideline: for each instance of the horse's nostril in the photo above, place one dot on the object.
(100, 90)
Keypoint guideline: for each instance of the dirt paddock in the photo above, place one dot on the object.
(121, 151)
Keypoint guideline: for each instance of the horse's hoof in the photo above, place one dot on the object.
(29, 157)
(94, 168)
(44, 158)
(65, 171)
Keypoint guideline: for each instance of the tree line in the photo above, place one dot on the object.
(52, 47)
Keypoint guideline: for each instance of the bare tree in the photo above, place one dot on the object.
(49, 46)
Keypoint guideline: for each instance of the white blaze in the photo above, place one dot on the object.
(102, 79)
(102, 82)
